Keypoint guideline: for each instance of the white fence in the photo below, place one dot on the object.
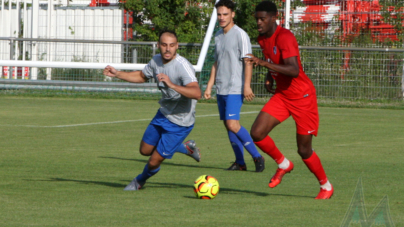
(56, 21)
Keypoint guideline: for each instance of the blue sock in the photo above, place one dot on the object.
(237, 147)
(247, 142)
(147, 173)
(182, 149)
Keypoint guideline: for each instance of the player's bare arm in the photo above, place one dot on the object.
(248, 68)
(208, 91)
(269, 83)
(133, 77)
(289, 68)
(190, 90)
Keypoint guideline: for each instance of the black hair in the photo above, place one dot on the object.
(268, 7)
(168, 31)
(226, 3)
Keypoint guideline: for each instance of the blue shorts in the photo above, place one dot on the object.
(229, 106)
(165, 135)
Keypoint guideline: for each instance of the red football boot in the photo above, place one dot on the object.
(324, 194)
(277, 178)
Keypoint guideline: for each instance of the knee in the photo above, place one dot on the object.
(305, 151)
(233, 126)
(144, 152)
(154, 164)
(256, 134)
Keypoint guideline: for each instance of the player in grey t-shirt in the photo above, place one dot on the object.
(175, 118)
(232, 75)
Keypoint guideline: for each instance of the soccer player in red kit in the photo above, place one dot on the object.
(294, 96)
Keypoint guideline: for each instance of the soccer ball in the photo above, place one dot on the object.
(206, 187)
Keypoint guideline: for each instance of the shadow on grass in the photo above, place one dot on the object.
(222, 190)
(114, 185)
(168, 185)
(164, 163)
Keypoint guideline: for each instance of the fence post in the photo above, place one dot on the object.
(34, 46)
(10, 69)
(154, 49)
(402, 82)
(287, 14)
(134, 55)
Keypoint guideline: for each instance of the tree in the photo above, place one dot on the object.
(188, 19)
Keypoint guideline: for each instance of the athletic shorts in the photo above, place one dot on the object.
(229, 106)
(304, 111)
(165, 135)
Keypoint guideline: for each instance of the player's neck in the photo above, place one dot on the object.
(228, 27)
(167, 61)
(271, 31)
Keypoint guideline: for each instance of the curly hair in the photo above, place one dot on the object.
(267, 6)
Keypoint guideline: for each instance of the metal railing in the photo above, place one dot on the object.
(337, 72)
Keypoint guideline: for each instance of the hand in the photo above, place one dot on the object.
(268, 85)
(161, 77)
(207, 93)
(110, 71)
(248, 93)
(254, 60)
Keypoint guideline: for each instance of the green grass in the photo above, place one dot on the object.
(75, 175)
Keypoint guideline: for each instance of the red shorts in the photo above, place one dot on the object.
(304, 111)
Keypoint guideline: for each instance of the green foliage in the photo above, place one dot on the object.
(245, 19)
(393, 14)
(188, 20)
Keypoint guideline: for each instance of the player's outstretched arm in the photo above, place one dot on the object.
(190, 90)
(289, 68)
(248, 68)
(208, 91)
(133, 77)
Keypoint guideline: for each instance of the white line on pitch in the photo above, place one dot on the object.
(113, 122)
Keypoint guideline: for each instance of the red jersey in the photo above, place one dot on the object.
(281, 45)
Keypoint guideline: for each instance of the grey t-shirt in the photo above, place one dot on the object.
(175, 107)
(230, 49)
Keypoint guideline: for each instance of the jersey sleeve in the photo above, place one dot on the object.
(244, 45)
(187, 72)
(148, 70)
(288, 45)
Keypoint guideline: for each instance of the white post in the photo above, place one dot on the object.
(402, 82)
(1, 33)
(10, 34)
(206, 41)
(17, 34)
(287, 14)
(2, 18)
(24, 32)
(34, 50)
(48, 34)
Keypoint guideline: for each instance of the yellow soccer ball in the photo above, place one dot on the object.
(206, 187)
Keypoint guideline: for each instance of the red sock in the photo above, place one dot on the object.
(314, 165)
(267, 145)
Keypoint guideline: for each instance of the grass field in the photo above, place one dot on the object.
(65, 162)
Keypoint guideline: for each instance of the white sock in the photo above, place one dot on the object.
(327, 186)
(284, 164)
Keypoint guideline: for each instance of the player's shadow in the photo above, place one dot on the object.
(167, 185)
(109, 184)
(222, 190)
(164, 163)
